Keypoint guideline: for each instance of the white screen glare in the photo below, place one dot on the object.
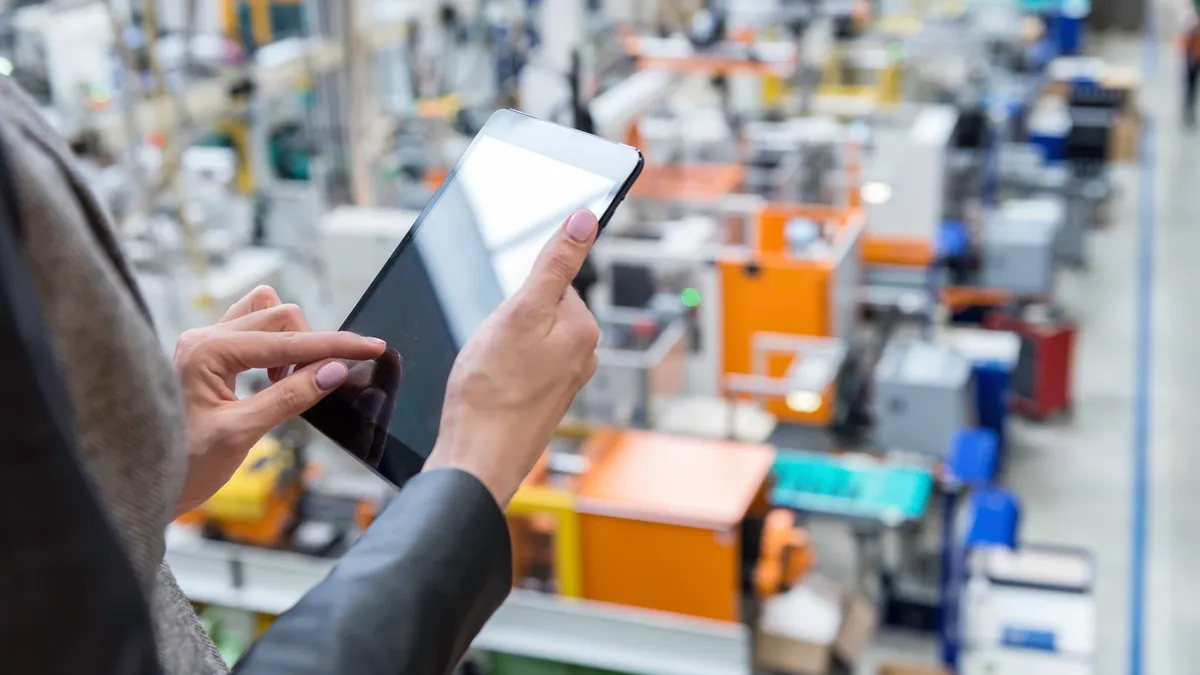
(515, 192)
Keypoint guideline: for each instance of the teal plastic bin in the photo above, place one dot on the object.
(850, 486)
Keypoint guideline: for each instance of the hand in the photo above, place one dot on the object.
(257, 332)
(516, 377)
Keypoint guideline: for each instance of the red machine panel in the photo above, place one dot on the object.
(1041, 383)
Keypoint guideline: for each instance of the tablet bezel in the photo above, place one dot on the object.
(622, 164)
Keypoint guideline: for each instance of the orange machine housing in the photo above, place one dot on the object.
(688, 182)
(899, 251)
(768, 291)
(711, 63)
(661, 520)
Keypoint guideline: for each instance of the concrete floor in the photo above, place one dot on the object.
(1172, 631)
(1074, 476)
(1075, 479)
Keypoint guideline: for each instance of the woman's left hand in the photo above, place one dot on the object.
(257, 332)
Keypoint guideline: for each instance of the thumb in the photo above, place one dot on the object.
(561, 258)
(291, 396)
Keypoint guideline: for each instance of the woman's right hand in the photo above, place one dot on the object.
(514, 380)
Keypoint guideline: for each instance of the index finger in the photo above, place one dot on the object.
(561, 258)
(254, 349)
(262, 297)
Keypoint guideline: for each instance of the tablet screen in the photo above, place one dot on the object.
(474, 245)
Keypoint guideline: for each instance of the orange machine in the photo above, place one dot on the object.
(649, 54)
(770, 289)
(883, 250)
(655, 521)
(688, 183)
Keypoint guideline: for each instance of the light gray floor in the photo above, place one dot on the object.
(1076, 480)
(1074, 476)
(1173, 620)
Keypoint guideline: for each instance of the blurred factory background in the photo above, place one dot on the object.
(868, 398)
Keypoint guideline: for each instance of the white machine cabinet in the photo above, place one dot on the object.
(1029, 612)
(1019, 244)
(909, 156)
(923, 394)
(77, 45)
(356, 242)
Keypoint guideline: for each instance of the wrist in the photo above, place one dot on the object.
(447, 456)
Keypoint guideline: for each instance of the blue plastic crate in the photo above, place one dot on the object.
(971, 460)
(953, 239)
(995, 518)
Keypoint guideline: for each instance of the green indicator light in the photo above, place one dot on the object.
(690, 297)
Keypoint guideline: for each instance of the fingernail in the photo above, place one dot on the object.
(331, 375)
(580, 226)
(375, 340)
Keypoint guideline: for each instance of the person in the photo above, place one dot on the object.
(1179, 17)
(106, 441)
(1191, 58)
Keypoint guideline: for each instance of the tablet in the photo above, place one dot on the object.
(472, 246)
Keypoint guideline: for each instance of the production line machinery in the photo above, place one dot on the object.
(611, 517)
(761, 287)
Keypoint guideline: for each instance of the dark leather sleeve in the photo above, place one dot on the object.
(409, 597)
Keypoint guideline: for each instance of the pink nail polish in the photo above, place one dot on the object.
(331, 375)
(581, 225)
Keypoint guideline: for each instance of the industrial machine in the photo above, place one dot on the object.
(260, 503)
(642, 364)
(1042, 380)
(294, 494)
(802, 161)
(1030, 609)
(1018, 244)
(1024, 175)
(923, 397)
(859, 80)
(257, 23)
(355, 243)
(797, 281)
(63, 54)
(661, 522)
(904, 184)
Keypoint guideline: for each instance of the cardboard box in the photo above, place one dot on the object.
(1127, 79)
(1124, 139)
(1057, 90)
(904, 669)
(846, 622)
